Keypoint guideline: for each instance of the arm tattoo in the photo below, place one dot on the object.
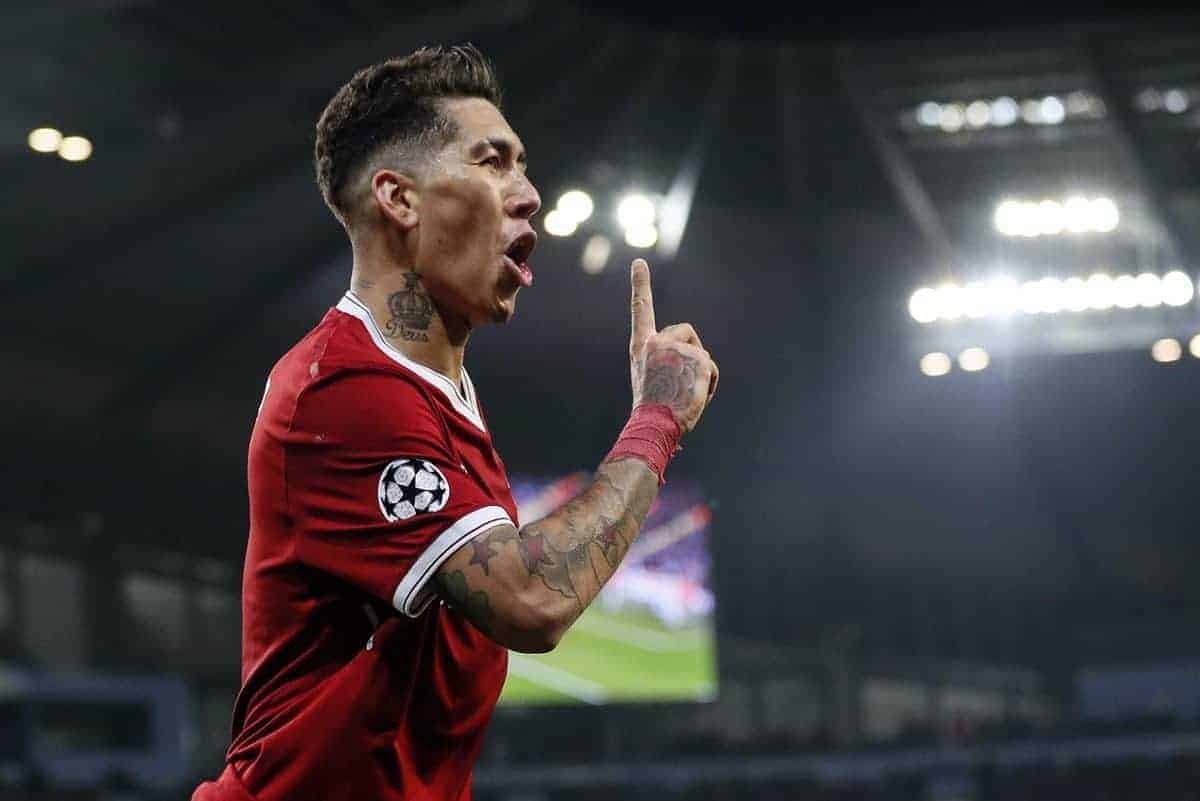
(577, 548)
(472, 603)
(669, 379)
(411, 310)
(484, 546)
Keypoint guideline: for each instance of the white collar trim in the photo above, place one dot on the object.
(464, 402)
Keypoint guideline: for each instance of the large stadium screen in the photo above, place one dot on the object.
(649, 635)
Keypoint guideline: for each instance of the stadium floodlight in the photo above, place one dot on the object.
(595, 254)
(1125, 292)
(45, 140)
(1149, 290)
(1008, 218)
(1075, 294)
(75, 148)
(975, 300)
(1166, 350)
(559, 223)
(1194, 346)
(929, 114)
(1076, 214)
(951, 302)
(1176, 101)
(974, 359)
(1004, 296)
(641, 235)
(576, 204)
(1005, 112)
(1031, 111)
(1101, 292)
(1052, 110)
(635, 209)
(1044, 296)
(1105, 215)
(1177, 288)
(1051, 219)
(935, 364)
(978, 114)
(952, 117)
(923, 305)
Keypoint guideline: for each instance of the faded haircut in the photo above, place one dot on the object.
(390, 112)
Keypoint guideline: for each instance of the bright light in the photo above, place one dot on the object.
(1031, 297)
(1053, 297)
(1175, 101)
(929, 114)
(1177, 288)
(1075, 295)
(975, 300)
(1005, 297)
(935, 364)
(75, 148)
(45, 140)
(1009, 218)
(973, 359)
(951, 303)
(595, 254)
(1051, 219)
(1149, 99)
(576, 204)
(1004, 111)
(1149, 290)
(1101, 292)
(1194, 346)
(1105, 215)
(923, 305)
(641, 235)
(979, 114)
(1041, 296)
(1077, 214)
(1031, 111)
(1125, 292)
(1166, 350)
(559, 223)
(1052, 110)
(952, 117)
(635, 210)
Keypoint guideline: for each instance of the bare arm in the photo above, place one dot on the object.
(525, 588)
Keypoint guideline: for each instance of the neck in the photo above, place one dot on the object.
(408, 317)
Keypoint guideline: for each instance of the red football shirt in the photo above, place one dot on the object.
(366, 472)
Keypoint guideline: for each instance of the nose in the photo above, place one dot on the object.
(524, 201)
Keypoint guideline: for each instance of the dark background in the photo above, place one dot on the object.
(1037, 516)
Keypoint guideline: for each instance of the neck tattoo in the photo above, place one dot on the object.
(411, 310)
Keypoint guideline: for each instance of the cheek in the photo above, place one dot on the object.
(467, 218)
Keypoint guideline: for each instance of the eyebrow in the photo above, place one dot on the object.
(504, 147)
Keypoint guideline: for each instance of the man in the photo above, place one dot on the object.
(385, 572)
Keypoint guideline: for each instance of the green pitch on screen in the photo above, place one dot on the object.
(617, 657)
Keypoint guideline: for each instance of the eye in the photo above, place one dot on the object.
(493, 161)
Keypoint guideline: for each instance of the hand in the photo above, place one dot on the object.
(670, 366)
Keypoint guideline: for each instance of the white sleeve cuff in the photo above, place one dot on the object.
(413, 595)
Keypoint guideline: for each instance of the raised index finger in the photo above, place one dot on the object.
(642, 305)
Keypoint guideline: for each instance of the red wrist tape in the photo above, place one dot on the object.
(651, 436)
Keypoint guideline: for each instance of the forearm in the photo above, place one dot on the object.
(574, 550)
(525, 588)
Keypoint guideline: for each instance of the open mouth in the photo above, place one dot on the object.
(517, 254)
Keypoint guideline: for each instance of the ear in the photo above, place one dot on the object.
(396, 196)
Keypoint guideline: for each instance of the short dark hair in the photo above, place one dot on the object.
(393, 104)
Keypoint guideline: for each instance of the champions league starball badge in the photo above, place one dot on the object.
(409, 487)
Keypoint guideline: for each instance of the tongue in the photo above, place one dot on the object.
(526, 274)
(521, 271)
